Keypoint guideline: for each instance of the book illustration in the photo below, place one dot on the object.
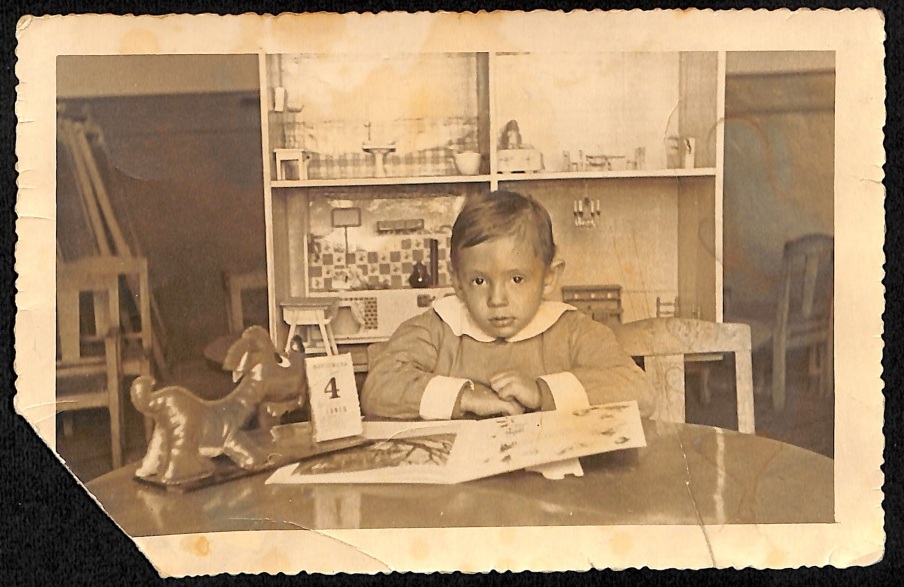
(462, 451)
(397, 452)
(516, 438)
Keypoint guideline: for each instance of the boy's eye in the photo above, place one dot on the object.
(517, 279)
(477, 281)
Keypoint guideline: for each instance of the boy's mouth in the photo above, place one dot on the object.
(502, 322)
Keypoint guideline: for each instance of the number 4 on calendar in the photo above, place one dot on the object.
(335, 409)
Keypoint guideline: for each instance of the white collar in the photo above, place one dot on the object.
(455, 314)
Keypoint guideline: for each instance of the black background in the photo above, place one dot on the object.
(52, 532)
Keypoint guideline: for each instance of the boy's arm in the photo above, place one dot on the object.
(403, 372)
(601, 371)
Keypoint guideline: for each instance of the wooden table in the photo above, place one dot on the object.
(687, 474)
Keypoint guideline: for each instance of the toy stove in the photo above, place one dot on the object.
(373, 315)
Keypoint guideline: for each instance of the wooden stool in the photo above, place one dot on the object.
(300, 156)
(309, 312)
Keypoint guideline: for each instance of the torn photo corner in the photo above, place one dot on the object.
(713, 180)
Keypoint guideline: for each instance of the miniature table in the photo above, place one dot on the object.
(319, 312)
(686, 474)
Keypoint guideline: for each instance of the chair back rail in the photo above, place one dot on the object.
(666, 343)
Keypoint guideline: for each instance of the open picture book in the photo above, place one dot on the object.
(453, 452)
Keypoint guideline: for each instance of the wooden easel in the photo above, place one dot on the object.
(75, 135)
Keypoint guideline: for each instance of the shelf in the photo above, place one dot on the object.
(381, 181)
(630, 174)
(541, 176)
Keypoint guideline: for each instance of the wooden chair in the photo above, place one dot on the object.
(239, 313)
(88, 366)
(699, 365)
(805, 313)
(135, 310)
(665, 344)
(122, 303)
(236, 284)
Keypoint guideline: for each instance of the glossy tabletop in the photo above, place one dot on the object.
(686, 474)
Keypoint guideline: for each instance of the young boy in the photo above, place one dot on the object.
(496, 347)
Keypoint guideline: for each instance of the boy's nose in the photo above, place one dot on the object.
(498, 295)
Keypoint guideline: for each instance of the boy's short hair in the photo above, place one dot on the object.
(498, 214)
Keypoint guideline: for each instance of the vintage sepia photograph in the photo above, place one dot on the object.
(348, 281)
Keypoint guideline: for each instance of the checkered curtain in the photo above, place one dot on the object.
(425, 148)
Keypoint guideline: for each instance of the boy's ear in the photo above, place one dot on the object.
(551, 280)
(456, 284)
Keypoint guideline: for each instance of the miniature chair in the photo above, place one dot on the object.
(88, 367)
(805, 314)
(665, 308)
(665, 343)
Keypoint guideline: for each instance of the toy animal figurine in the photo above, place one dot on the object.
(189, 431)
(272, 413)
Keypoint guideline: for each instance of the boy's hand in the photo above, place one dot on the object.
(514, 385)
(483, 401)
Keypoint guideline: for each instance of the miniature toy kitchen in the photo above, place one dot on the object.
(369, 158)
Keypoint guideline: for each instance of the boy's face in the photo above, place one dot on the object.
(502, 283)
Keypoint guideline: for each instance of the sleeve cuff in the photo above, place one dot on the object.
(440, 396)
(559, 469)
(567, 391)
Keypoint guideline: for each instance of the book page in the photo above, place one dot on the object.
(786, 112)
(515, 442)
(479, 449)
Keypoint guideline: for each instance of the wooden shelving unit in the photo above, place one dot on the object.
(660, 228)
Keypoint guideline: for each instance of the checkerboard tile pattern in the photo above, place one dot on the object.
(388, 267)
